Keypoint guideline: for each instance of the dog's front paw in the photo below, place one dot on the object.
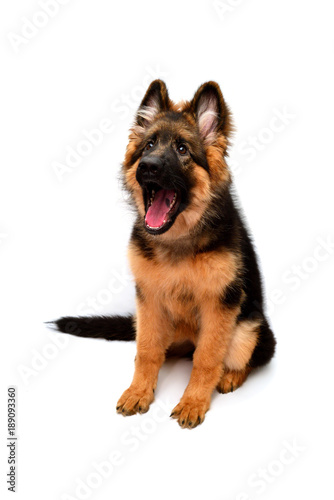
(190, 412)
(133, 401)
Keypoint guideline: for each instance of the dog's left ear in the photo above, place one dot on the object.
(155, 101)
(211, 112)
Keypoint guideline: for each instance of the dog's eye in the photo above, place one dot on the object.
(149, 145)
(182, 149)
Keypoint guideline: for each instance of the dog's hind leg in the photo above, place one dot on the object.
(252, 345)
(239, 353)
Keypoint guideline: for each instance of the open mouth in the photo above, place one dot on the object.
(162, 206)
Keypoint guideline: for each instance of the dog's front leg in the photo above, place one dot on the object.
(217, 327)
(152, 343)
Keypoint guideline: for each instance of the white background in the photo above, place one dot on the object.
(64, 237)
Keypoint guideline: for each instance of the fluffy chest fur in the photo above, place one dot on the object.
(182, 287)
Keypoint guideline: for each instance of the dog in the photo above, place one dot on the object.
(198, 284)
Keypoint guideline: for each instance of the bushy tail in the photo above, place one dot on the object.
(98, 327)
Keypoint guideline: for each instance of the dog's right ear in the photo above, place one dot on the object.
(155, 101)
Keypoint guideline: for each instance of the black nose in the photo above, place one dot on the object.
(149, 169)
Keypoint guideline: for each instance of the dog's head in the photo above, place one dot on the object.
(175, 159)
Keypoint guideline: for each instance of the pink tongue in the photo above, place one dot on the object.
(156, 214)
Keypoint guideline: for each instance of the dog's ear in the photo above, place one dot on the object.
(211, 112)
(155, 101)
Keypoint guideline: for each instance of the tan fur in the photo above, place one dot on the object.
(153, 339)
(207, 364)
(218, 167)
(242, 345)
(132, 184)
(204, 275)
(232, 379)
(176, 298)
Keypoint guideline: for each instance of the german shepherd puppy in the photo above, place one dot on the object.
(198, 285)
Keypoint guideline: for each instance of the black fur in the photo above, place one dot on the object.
(139, 293)
(98, 327)
(232, 294)
(223, 226)
(139, 238)
(265, 347)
